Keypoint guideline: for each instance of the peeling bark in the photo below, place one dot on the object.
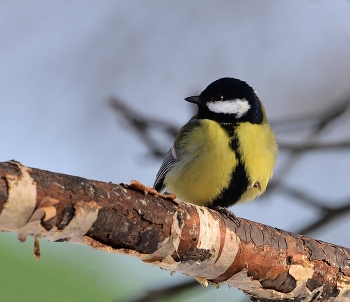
(268, 264)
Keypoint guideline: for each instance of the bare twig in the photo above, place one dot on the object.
(326, 218)
(314, 147)
(144, 125)
(326, 119)
(327, 214)
(166, 292)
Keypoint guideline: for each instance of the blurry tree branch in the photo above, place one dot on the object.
(325, 119)
(327, 214)
(143, 126)
(268, 264)
(314, 147)
(166, 291)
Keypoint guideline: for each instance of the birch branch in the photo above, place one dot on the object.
(268, 264)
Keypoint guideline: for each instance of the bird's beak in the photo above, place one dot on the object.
(194, 100)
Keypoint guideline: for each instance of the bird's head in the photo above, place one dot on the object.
(229, 100)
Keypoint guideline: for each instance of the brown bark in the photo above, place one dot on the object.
(266, 263)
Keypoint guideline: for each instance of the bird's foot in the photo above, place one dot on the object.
(226, 212)
(136, 185)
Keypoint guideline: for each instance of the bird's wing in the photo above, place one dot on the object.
(169, 160)
(176, 152)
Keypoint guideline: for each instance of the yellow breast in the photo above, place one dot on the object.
(258, 149)
(207, 162)
(205, 166)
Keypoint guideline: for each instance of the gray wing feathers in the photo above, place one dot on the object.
(175, 153)
(169, 160)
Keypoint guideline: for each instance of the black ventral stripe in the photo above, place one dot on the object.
(239, 180)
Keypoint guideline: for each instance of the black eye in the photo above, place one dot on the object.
(218, 98)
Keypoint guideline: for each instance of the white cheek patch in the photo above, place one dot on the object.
(239, 107)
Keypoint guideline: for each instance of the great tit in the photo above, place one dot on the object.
(226, 153)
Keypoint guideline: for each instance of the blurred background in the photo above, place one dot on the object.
(95, 89)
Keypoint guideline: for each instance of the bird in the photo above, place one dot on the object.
(226, 153)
